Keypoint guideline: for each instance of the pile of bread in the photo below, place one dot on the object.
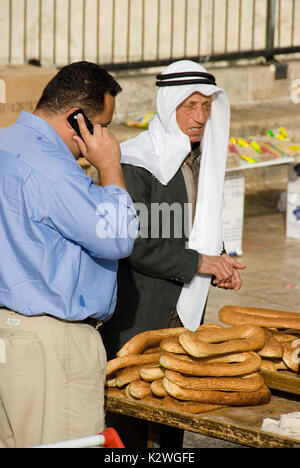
(282, 346)
(213, 367)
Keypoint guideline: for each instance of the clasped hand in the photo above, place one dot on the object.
(224, 269)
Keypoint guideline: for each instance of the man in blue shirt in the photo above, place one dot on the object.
(60, 240)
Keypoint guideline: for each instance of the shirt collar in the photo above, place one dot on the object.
(42, 126)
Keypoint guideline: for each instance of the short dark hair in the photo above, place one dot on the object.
(80, 84)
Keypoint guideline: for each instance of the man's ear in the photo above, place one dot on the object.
(70, 111)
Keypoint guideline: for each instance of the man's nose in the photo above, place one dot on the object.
(199, 115)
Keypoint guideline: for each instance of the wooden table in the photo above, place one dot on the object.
(234, 424)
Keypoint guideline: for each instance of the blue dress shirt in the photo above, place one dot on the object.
(60, 235)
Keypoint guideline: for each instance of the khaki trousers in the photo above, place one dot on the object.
(52, 377)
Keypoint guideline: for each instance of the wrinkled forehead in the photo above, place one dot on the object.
(196, 97)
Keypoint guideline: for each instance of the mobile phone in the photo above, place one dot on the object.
(72, 119)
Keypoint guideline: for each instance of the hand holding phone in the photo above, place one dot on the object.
(100, 148)
(72, 119)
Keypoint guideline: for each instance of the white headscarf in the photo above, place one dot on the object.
(162, 149)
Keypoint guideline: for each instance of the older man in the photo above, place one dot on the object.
(178, 163)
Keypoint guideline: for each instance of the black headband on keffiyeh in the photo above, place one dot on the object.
(197, 78)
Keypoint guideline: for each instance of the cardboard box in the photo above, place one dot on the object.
(294, 179)
(293, 215)
(293, 202)
(233, 212)
(20, 89)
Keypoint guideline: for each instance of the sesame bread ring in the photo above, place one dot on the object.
(192, 407)
(227, 365)
(172, 345)
(241, 338)
(150, 372)
(206, 326)
(153, 400)
(273, 365)
(269, 318)
(133, 359)
(272, 347)
(127, 375)
(247, 383)
(157, 388)
(151, 350)
(147, 339)
(268, 365)
(152, 338)
(114, 391)
(139, 389)
(291, 355)
(128, 395)
(285, 335)
(259, 397)
(111, 382)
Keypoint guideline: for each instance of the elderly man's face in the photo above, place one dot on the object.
(192, 115)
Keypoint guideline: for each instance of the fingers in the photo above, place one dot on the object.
(215, 265)
(234, 283)
(82, 127)
(231, 261)
(100, 131)
(85, 134)
(225, 270)
(101, 149)
(238, 280)
(105, 135)
(80, 144)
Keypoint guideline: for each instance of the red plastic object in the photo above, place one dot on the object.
(112, 439)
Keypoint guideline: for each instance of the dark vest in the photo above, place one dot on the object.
(151, 279)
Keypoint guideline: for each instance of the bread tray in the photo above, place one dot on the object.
(282, 380)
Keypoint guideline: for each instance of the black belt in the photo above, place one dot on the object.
(93, 322)
(96, 323)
